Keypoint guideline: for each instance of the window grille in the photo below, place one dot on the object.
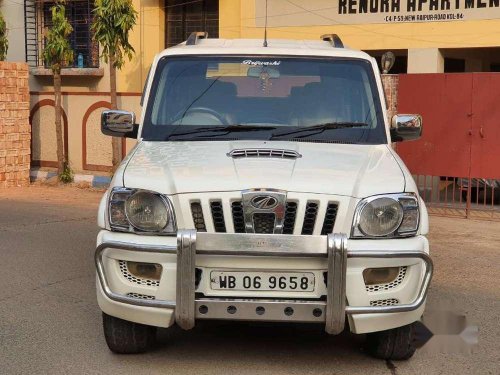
(183, 18)
(38, 19)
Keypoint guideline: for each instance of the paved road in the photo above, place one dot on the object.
(50, 322)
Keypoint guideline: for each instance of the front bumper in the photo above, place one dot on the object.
(332, 311)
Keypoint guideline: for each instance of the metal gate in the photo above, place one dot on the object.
(456, 163)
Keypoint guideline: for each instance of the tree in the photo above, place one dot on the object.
(4, 43)
(57, 53)
(113, 20)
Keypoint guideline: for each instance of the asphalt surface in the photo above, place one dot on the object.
(50, 322)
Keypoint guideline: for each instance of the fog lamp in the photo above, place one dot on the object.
(150, 271)
(374, 276)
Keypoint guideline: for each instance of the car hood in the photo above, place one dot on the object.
(323, 168)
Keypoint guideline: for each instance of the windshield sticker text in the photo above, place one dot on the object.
(261, 63)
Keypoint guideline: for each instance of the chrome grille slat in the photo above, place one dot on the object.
(228, 216)
(320, 217)
(209, 223)
(299, 218)
(264, 153)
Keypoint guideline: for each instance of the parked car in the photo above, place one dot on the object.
(263, 187)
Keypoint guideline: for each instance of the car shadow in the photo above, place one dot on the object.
(211, 339)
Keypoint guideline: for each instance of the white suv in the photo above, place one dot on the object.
(263, 187)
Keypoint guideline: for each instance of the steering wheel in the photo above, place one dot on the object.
(208, 113)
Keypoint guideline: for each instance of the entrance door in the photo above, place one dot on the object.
(184, 17)
(486, 126)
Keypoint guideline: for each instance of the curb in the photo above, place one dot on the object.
(94, 181)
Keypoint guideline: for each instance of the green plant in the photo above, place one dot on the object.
(67, 175)
(113, 21)
(4, 43)
(58, 53)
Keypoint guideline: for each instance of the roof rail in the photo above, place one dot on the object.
(334, 40)
(192, 40)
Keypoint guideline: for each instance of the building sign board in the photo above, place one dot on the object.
(283, 13)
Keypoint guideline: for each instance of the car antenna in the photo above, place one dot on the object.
(265, 29)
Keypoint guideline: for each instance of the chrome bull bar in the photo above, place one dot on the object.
(332, 311)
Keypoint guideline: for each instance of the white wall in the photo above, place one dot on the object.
(425, 60)
(13, 14)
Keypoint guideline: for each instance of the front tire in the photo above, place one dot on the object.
(124, 337)
(395, 344)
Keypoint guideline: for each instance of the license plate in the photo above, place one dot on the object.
(278, 281)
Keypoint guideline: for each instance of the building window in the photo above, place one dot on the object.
(495, 67)
(79, 14)
(183, 18)
(454, 65)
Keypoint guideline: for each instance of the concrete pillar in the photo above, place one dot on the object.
(425, 60)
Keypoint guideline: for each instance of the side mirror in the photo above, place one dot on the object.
(406, 127)
(119, 124)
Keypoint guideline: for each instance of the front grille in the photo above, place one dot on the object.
(238, 217)
(310, 218)
(218, 216)
(330, 216)
(265, 222)
(290, 215)
(198, 219)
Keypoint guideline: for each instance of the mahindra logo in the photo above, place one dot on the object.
(264, 202)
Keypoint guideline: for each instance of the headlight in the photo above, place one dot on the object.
(140, 211)
(393, 215)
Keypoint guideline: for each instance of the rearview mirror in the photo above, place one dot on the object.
(118, 123)
(406, 127)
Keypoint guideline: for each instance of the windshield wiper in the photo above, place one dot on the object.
(320, 128)
(226, 129)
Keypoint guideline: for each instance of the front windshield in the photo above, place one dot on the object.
(264, 98)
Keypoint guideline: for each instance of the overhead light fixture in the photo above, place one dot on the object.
(387, 62)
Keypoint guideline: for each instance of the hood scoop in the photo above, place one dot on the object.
(241, 153)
